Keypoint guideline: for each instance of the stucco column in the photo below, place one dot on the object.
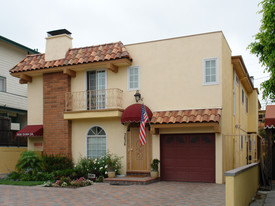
(219, 158)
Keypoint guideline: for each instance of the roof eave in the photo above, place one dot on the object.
(18, 45)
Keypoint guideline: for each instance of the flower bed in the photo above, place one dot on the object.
(67, 182)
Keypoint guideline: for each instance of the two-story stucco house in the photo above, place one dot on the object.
(197, 97)
(13, 96)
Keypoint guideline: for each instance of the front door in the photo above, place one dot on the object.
(139, 157)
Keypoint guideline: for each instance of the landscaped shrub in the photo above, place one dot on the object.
(83, 167)
(28, 159)
(65, 173)
(13, 176)
(113, 162)
(51, 163)
(98, 166)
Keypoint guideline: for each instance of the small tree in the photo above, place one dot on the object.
(264, 47)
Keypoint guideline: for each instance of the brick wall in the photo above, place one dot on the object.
(57, 131)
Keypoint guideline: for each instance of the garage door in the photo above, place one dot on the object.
(187, 157)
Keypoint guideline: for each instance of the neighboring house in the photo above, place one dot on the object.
(202, 104)
(13, 96)
(261, 119)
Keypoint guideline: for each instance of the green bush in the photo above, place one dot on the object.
(98, 166)
(51, 163)
(113, 162)
(83, 167)
(65, 173)
(28, 159)
(155, 165)
(13, 176)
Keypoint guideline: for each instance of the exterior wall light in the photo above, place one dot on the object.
(137, 96)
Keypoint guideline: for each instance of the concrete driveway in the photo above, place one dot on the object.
(160, 193)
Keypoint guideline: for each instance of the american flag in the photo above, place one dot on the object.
(144, 118)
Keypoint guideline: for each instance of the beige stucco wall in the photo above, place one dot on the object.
(35, 101)
(171, 73)
(241, 188)
(9, 157)
(115, 137)
(35, 144)
(253, 112)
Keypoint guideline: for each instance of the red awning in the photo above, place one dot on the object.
(270, 117)
(133, 113)
(31, 131)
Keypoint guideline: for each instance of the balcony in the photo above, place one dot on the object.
(93, 104)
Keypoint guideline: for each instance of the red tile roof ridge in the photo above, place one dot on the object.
(97, 45)
(75, 56)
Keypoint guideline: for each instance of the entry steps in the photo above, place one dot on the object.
(132, 178)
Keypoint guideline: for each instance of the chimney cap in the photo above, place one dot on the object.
(58, 32)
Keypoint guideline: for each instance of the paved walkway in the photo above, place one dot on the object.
(265, 198)
(160, 193)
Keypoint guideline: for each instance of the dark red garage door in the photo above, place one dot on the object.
(187, 157)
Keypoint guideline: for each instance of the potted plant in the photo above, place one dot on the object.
(113, 164)
(155, 168)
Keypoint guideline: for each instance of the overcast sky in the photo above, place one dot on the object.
(102, 21)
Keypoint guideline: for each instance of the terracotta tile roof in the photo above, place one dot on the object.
(186, 116)
(75, 56)
(270, 117)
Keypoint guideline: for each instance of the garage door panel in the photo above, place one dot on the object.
(188, 157)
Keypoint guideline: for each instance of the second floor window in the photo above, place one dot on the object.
(133, 78)
(210, 71)
(2, 84)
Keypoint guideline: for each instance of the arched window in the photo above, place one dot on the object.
(96, 142)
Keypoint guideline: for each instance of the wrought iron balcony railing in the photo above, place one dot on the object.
(93, 100)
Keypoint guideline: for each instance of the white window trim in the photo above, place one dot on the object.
(5, 83)
(217, 71)
(86, 145)
(128, 78)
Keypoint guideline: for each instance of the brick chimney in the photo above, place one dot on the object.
(58, 43)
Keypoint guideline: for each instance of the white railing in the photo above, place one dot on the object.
(93, 100)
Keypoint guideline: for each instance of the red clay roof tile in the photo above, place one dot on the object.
(186, 116)
(74, 56)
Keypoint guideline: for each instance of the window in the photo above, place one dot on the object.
(2, 84)
(246, 104)
(241, 142)
(237, 79)
(96, 142)
(96, 85)
(242, 96)
(210, 71)
(133, 78)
